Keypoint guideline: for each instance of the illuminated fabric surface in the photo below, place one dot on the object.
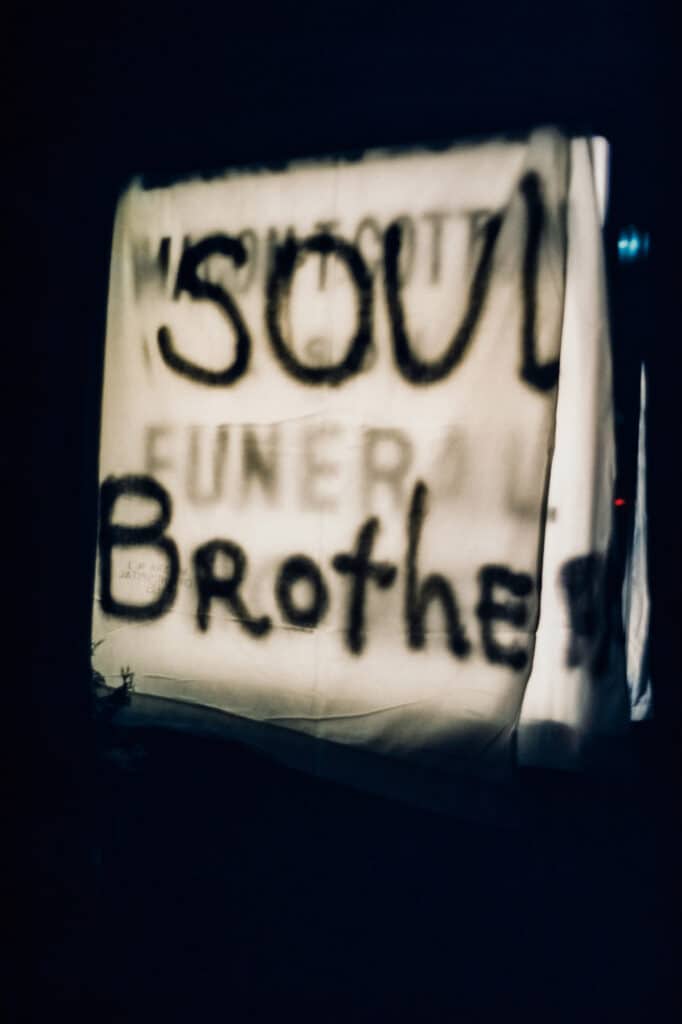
(330, 397)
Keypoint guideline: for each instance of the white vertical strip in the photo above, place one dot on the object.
(566, 705)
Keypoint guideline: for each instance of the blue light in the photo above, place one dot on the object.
(632, 245)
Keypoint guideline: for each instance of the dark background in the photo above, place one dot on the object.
(179, 878)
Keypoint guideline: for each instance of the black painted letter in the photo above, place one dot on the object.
(190, 282)
(361, 569)
(490, 611)
(152, 535)
(226, 588)
(288, 256)
(418, 596)
(293, 571)
(413, 369)
(583, 583)
(542, 376)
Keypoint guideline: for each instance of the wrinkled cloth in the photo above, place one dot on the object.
(474, 490)
(636, 611)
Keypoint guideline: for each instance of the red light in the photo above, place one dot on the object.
(619, 501)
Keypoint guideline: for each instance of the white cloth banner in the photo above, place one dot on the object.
(577, 691)
(636, 603)
(328, 422)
